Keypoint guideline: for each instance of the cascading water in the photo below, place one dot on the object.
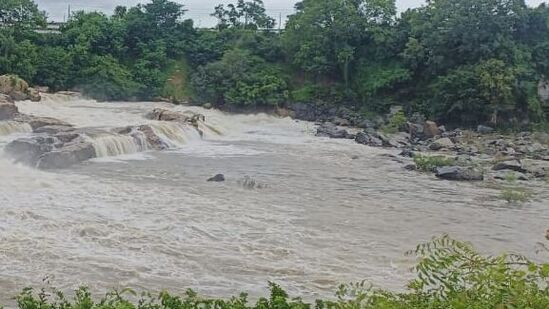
(12, 127)
(108, 145)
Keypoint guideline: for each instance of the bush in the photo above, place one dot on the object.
(430, 163)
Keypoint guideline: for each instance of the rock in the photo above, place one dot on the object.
(411, 167)
(511, 165)
(459, 173)
(34, 95)
(441, 143)
(407, 153)
(53, 129)
(442, 129)
(168, 115)
(416, 130)
(66, 156)
(39, 122)
(330, 130)
(4, 98)
(485, 129)
(8, 111)
(431, 129)
(14, 87)
(285, 113)
(217, 178)
(507, 175)
(29, 150)
(208, 106)
(365, 138)
(341, 122)
(153, 140)
(397, 140)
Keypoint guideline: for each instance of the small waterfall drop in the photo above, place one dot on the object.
(108, 145)
(175, 135)
(11, 127)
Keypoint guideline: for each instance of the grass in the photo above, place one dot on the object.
(430, 163)
(512, 193)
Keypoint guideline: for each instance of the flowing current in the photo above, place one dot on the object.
(330, 211)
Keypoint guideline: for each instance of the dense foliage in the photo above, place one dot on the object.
(450, 274)
(457, 61)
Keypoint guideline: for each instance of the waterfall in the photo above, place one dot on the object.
(11, 127)
(175, 135)
(107, 145)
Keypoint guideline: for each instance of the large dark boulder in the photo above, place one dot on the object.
(511, 165)
(8, 111)
(29, 150)
(370, 139)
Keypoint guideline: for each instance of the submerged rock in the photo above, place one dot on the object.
(217, 178)
(459, 173)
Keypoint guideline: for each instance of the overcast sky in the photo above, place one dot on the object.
(199, 10)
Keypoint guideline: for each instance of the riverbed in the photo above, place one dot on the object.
(327, 211)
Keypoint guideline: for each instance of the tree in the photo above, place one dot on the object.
(245, 14)
(21, 14)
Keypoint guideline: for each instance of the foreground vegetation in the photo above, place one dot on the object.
(450, 274)
(460, 62)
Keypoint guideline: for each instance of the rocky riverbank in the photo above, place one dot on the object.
(458, 155)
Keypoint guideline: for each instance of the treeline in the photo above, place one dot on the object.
(460, 62)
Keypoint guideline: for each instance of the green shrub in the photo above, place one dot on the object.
(396, 122)
(430, 163)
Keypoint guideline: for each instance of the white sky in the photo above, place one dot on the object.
(199, 10)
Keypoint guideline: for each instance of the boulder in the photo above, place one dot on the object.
(66, 156)
(217, 178)
(366, 138)
(485, 129)
(442, 143)
(208, 106)
(34, 95)
(511, 165)
(14, 87)
(28, 150)
(161, 114)
(397, 140)
(458, 173)
(431, 129)
(330, 130)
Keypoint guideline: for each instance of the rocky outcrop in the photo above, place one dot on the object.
(161, 114)
(511, 165)
(430, 129)
(69, 154)
(39, 122)
(442, 143)
(17, 89)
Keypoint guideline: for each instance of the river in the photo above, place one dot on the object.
(331, 211)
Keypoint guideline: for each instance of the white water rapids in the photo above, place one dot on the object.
(332, 211)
